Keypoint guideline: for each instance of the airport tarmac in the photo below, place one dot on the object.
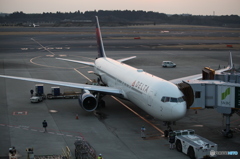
(116, 136)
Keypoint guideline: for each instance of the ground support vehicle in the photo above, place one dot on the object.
(36, 99)
(168, 64)
(193, 145)
(66, 95)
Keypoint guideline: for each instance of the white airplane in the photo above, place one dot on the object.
(160, 98)
(34, 25)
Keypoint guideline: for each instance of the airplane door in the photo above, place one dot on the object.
(152, 94)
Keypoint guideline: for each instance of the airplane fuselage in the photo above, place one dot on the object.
(143, 89)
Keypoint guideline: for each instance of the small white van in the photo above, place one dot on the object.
(168, 64)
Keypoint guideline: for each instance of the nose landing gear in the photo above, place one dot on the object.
(169, 129)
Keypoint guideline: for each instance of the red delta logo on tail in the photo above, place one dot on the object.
(101, 51)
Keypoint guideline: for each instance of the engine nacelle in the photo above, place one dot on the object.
(88, 102)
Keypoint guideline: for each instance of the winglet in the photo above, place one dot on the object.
(101, 51)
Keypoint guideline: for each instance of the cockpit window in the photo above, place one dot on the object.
(172, 99)
(180, 99)
(167, 99)
(163, 99)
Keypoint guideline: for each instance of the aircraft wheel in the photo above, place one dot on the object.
(191, 152)
(179, 145)
(101, 104)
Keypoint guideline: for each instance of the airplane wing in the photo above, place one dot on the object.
(76, 61)
(125, 59)
(199, 76)
(107, 90)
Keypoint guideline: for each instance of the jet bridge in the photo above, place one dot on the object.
(221, 94)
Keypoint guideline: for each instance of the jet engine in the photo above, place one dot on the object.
(88, 101)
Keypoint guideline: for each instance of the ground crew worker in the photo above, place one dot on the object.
(12, 151)
(100, 156)
(98, 81)
(143, 129)
(171, 140)
(44, 123)
(31, 91)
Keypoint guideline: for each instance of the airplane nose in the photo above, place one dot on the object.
(179, 110)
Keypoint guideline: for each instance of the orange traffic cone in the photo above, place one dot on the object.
(77, 116)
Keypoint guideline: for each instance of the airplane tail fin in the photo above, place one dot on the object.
(101, 51)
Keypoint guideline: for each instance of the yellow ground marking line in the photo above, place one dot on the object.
(45, 48)
(154, 126)
(82, 75)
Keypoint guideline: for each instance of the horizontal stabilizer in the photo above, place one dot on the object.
(76, 61)
(126, 59)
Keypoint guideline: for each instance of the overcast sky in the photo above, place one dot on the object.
(195, 7)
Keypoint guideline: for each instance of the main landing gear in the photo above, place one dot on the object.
(101, 102)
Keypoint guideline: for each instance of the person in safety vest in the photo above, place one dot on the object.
(100, 156)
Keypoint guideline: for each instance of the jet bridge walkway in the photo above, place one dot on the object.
(222, 93)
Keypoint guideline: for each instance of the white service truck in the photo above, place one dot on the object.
(36, 99)
(193, 145)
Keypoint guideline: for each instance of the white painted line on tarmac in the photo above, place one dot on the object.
(45, 48)
(33, 129)
(79, 137)
(41, 131)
